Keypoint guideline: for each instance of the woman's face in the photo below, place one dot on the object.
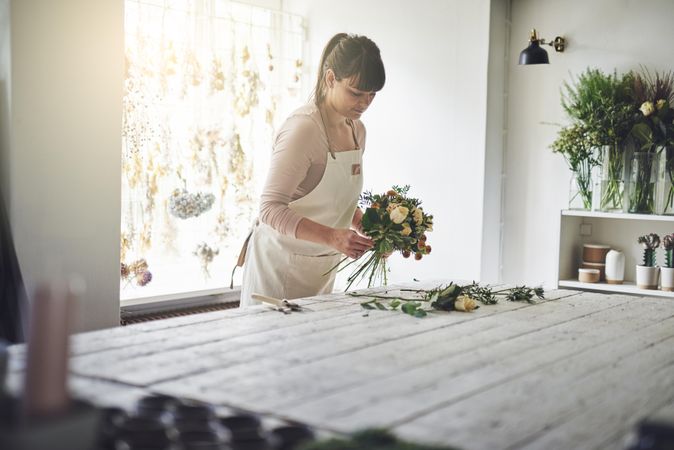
(345, 98)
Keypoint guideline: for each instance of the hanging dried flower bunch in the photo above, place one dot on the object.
(124, 245)
(169, 64)
(298, 70)
(247, 86)
(270, 57)
(136, 271)
(237, 162)
(206, 254)
(217, 75)
(184, 205)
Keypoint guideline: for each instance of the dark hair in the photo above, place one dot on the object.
(351, 55)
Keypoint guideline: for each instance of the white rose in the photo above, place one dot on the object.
(407, 229)
(399, 214)
(661, 104)
(464, 303)
(391, 207)
(418, 216)
(647, 108)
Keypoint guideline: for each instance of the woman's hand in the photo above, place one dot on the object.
(357, 221)
(350, 243)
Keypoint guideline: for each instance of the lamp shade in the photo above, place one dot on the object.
(534, 54)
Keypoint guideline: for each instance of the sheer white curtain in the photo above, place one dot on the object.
(207, 82)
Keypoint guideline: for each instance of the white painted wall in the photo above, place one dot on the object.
(495, 142)
(427, 126)
(605, 34)
(63, 155)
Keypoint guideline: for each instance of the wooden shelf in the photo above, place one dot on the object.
(622, 216)
(626, 288)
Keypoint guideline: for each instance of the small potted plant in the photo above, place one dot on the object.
(647, 273)
(667, 277)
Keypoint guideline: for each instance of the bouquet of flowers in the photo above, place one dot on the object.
(394, 222)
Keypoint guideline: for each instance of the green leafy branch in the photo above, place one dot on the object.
(448, 298)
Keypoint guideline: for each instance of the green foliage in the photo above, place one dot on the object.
(370, 439)
(576, 144)
(602, 104)
(488, 296)
(444, 298)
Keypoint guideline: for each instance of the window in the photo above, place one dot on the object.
(207, 82)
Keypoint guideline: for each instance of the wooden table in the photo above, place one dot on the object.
(577, 370)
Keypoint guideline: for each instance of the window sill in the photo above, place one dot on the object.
(165, 302)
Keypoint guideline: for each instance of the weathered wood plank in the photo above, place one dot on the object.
(618, 405)
(366, 365)
(404, 396)
(297, 346)
(161, 359)
(531, 404)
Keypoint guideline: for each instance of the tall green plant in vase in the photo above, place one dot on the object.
(654, 133)
(575, 144)
(602, 104)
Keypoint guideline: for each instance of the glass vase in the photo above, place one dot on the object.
(580, 192)
(642, 182)
(665, 187)
(612, 179)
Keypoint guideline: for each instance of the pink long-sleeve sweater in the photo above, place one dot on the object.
(297, 165)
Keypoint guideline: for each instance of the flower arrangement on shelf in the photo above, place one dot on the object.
(602, 105)
(654, 133)
(576, 145)
(394, 222)
(647, 273)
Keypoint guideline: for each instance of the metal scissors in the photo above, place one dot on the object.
(282, 305)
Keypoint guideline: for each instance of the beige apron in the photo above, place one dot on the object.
(281, 266)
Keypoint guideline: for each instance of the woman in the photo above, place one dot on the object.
(308, 211)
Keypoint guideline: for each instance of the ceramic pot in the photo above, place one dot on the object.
(615, 267)
(667, 279)
(647, 277)
(595, 253)
(600, 267)
(588, 275)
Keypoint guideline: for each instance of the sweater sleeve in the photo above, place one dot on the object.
(290, 161)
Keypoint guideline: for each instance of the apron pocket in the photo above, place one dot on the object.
(306, 275)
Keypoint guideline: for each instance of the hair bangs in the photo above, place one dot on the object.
(367, 73)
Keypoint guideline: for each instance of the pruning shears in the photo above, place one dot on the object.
(281, 305)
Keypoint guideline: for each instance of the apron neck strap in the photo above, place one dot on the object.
(327, 135)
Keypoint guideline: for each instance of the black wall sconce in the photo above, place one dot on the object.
(535, 54)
